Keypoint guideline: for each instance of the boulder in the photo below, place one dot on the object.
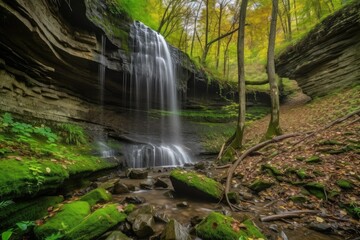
(137, 173)
(195, 185)
(147, 184)
(174, 230)
(143, 225)
(120, 188)
(69, 216)
(219, 227)
(98, 195)
(97, 223)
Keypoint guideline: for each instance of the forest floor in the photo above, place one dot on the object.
(320, 173)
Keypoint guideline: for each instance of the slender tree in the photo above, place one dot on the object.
(235, 142)
(274, 125)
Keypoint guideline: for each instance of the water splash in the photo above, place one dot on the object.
(153, 85)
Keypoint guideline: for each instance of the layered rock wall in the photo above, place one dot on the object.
(328, 58)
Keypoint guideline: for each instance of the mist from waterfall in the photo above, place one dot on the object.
(153, 88)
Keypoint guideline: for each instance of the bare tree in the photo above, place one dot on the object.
(235, 142)
(274, 125)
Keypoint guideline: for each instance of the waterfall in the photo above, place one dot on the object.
(153, 87)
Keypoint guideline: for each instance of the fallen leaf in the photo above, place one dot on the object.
(319, 219)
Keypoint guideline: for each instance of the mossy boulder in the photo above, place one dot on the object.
(69, 216)
(129, 208)
(313, 160)
(29, 210)
(98, 195)
(301, 173)
(316, 189)
(219, 227)
(344, 184)
(271, 169)
(196, 185)
(96, 224)
(260, 185)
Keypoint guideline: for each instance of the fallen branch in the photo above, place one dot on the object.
(244, 155)
(291, 214)
(339, 120)
(223, 166)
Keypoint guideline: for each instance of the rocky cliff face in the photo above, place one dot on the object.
(328, 58)
(50, 55)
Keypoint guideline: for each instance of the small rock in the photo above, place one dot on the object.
(247, 196)
(147, 184)
(200, 166)
(137, 173)
(120, 188)
(195, 220)
(160, 183)
(134, 200)
(321, 227)
(109, 184)
(182, 205)
(260, 185)
(274, 227)
(131, 187)
(143, 226)
(175, 230)
(125, 227)
(170, 194)
(161, 217)
(117, 235)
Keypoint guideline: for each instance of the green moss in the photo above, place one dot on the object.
(298, 199)
(260, 185)
(219, 227)
(69, 216)
(271, 169)
(129, 208)
(233, 197)
(199, 182)
(352, 209)
(313, 159)
(29, 210)
(316, 189)
(98, 195)
(301, 174)
(96, 224)
(300, 158)
(344, 184)
(329, 142)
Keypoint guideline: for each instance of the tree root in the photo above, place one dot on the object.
(244, 155)
(283, 215)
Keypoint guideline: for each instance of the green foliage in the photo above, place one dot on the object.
(4, 204)
(26, 132)
(73, 134)
(7, 234)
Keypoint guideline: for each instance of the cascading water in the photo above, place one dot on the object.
(153, 86)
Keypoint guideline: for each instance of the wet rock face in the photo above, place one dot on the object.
(328, 58)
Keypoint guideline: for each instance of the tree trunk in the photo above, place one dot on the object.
(194, 33)
(274, 125)
(219, 33)
(235, 142)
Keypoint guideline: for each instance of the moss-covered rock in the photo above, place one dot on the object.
(27, 210)
(298, 198)
(96, 224)
(344, 184)
(316, 189)
(69, 216)
(271, 169)
(129, 208)
(260, 185)
(196, 185)
(313, 160)
(233, 197)
(98, 195)
(219, 227)
(301, 173)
